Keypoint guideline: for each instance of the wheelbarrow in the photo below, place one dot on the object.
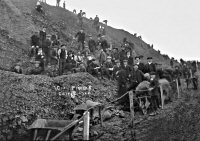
(43, 129)
(52, 130)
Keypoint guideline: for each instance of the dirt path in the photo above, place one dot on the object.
(177, 121)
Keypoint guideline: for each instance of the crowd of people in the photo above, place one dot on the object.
(97, 57)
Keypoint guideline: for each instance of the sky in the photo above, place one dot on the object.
(172, 26)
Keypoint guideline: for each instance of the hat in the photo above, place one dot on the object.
(149, 58)
(125, 60)
(37, 62)
(146, 75)
(152, 73)
(93, 59)
(18, 64)
(117, 61)
(137, 57)
(109, 57)
(48, 35)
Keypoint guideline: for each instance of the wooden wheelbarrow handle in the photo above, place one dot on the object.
(68, 127)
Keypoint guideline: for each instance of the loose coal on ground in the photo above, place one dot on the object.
(27, 98)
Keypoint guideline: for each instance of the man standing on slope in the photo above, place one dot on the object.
(150, 67)
(81, 39)
(64, 4)
(58, 3)
(140, 65)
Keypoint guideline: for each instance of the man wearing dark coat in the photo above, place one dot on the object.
(35, 39)
(46, 48)
(70, 62)
(62, 59)
(137, 75)
(115, 54)
(93, 68)
(129, 58)
(81, 39)
(102, 57)
(116, 69)
(108, 68)
(104, 43)
(128, 70)
(122, 55)
(34, 44)
(42, 36)
(37, 69)
(150, 67)
(122, 87)
(92, 45)
(140, 65)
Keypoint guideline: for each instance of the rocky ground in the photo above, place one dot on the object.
(25, 98)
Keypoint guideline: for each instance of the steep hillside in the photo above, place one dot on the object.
(18, 20)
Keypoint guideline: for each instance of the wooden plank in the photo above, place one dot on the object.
(86, 129)
(178, 91)
(191, 73)
(35, 134)
(67, 128)
(48, 134)
(131, 107)
(100, 115)
(162, 97)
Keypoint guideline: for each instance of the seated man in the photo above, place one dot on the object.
(70, 62)
(93, 68)
(37, 68)
(86, 51)
(17, 68)
(78, 58)
(108, 68)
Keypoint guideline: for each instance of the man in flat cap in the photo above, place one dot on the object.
(116, 68)
(127, 68)
(108, 68)
(137, 75)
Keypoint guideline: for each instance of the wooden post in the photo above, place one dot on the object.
(35, 134)
(191, 73)
(100, 115)
(177, 85)
(162, 97)
(131, 107)
(86, 129)
(48, 135)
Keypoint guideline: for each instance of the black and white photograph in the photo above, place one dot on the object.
(99, 70)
